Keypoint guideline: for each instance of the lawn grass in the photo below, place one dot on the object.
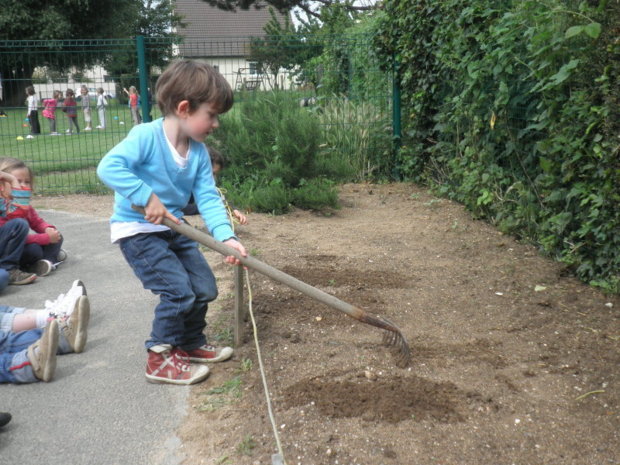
(64, 164)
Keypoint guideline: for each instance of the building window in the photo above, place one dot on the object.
(253, 67)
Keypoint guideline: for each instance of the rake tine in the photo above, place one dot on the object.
(389, 338)
(393, 337)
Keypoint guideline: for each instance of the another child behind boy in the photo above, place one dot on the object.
(217, 164)
(70, 109)
(42, 251)
(157, 166)
(49, 110)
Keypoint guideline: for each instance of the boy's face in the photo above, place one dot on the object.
(202, 122)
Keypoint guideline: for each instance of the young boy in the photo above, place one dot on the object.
(157, 167)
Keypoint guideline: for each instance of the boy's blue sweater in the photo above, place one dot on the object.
(142, 164)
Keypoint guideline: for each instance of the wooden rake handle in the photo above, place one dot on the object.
(290, 281)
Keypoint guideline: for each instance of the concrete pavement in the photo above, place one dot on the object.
(99, 409)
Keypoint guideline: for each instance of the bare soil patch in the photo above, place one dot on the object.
(513, 360)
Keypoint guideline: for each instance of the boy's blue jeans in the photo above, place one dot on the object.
(171, 265)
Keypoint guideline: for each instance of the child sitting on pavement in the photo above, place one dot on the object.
(13, 235)
(31, 339)
(157, 166)
(42, 251)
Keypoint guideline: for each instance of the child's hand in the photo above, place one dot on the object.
(5, 190)
(7, 182)
(240, 217)
(235, 244)
(54, 235)
(155, 211)
(10, 179)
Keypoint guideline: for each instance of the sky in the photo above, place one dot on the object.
(356, 2)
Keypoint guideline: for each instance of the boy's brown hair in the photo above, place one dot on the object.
(195, 82)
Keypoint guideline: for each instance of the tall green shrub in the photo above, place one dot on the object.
(510, 110)
(271, 146)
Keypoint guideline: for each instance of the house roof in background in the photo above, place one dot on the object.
(226, 31)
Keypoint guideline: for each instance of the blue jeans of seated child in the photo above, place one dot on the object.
(12, 240)
(4, 279)
(7, 315)
(171, 266)
(14, 364)
(34, 252)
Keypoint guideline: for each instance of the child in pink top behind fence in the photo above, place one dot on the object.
(49, 111)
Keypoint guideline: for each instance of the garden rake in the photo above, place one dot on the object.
(392, 336)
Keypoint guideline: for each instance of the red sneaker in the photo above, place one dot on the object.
(168, 365)
(209, 353)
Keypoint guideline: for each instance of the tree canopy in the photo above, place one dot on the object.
(311, 8)
(65, 20)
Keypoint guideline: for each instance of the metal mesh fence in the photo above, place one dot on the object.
(336, 77)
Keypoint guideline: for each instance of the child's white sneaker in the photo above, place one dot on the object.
(64, 304)
(74, 329)
(42, 354)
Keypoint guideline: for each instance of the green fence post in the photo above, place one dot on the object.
(396, 116)
(145, 100)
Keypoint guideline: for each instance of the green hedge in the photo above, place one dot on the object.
(512, 109)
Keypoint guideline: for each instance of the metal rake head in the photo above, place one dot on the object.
(392, 337)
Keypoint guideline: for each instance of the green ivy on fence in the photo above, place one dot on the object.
(512, 109)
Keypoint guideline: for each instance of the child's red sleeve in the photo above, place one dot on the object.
(37, 223)
(41, 239)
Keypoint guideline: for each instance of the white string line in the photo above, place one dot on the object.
(255, 332)
(262, 370)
